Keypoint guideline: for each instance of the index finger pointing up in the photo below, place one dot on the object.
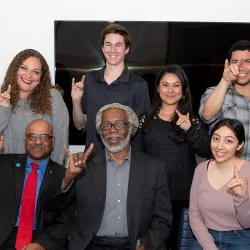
(178, 112)
(236, 173)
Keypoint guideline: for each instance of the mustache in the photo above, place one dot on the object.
(113, 135)
(40, 146)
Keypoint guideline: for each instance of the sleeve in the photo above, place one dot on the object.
(142, 101)
(58, 232)
(242, 206)
(60, 123)
(5, 114)
(203, 99)
(161, 222)
(198, 138)
(197, 225)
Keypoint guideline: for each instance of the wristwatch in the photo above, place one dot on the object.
(138, 244)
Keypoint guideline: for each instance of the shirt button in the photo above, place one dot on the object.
(119, 200)
(119, 218)
(13, 223)
(118, 184)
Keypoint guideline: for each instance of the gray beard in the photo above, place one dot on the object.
(116, 149)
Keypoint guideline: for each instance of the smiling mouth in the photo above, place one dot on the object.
(26, 81)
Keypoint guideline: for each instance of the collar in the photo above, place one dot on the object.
(124, 77)
(42, 164)
(128, 157)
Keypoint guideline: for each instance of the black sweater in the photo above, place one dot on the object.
(180, 156)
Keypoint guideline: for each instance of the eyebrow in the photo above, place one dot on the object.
(168, 82)
(228, 136)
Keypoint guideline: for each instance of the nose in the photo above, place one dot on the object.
(220, 144)
(38, 140)
(113, 129)
(170, 89)
(113, 48)
(28, 74)
(241, 64)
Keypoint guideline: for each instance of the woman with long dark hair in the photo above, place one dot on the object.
(171, 132)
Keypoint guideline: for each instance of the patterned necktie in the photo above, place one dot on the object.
(26, 221)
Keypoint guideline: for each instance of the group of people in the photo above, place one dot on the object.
(128, 189)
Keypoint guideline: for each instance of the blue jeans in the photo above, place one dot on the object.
(228, 240)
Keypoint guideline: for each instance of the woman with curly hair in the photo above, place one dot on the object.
(26, 95)
(169, 131)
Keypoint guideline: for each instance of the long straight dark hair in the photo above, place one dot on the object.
(184, 104)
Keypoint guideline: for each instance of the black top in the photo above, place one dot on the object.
(128, 89)
(180, 156)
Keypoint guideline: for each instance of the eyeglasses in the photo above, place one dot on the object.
(42, 137)
(117, 125)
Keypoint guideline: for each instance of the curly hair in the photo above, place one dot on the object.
(131, 116)
(40, 98)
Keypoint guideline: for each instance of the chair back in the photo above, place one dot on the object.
(185, 233)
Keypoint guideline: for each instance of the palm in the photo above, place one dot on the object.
(76, 93)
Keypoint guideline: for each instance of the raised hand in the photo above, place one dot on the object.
(238, 185)
(5, 97)
(77, 89)
(231, 71)
(183, 122)
(1, 142)
(77, 161)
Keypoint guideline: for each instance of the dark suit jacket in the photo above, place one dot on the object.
(11, 186)
(148, 203)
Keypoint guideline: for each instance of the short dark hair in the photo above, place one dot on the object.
(240, 45)
(116, 28)
(234, 125)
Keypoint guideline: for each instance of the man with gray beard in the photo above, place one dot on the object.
(121, 196)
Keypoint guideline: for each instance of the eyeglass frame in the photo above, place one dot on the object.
(114, 125)
(40, 137)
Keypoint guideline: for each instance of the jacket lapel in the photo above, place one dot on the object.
(20, 169)
(98, 171)
(48, 177)
(136, 176)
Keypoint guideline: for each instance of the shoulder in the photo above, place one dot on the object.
(209, 90)
(93, 75)
(140, 82)
(201, 169)
(196, 121)
(55, 94)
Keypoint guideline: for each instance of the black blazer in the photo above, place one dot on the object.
(148, 203)
(11, 186)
